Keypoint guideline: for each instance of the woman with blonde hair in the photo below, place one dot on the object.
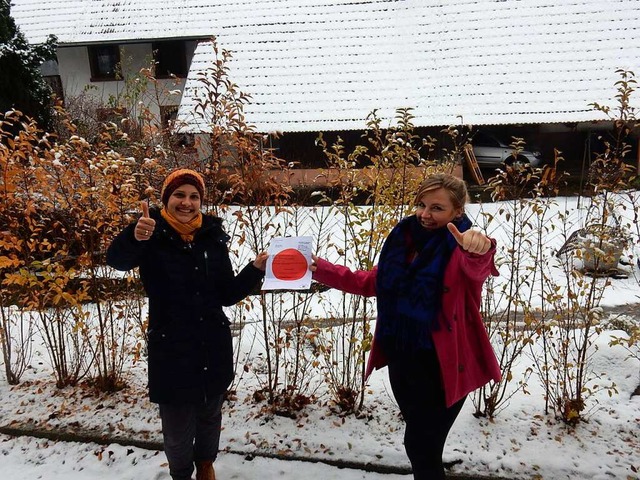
(429, 332)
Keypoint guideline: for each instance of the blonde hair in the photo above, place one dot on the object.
(456, 187)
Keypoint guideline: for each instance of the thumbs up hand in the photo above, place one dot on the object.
(472, 241)
(146, 225)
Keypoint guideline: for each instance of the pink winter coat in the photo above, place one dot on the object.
(466, 358)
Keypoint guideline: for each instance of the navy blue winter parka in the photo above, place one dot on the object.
(189, 340)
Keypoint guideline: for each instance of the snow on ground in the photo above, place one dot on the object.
(520, 443)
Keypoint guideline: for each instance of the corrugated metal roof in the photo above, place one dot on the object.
(325, 65)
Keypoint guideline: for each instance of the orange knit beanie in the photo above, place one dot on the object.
(180, 177)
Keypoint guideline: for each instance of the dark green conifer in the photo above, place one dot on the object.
(21, 84)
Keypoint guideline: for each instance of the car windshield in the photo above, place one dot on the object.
(482, 139)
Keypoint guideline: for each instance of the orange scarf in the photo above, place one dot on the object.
(186, 230)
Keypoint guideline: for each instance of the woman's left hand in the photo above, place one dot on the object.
(314, 266)
(261, 261)
(472, 241)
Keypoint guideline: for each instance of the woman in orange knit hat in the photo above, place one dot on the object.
(187, 275)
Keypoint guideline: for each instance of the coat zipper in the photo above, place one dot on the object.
(206, 272)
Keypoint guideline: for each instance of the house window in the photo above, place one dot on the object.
(170, 58)
(168, 114)
(55, 84)
(105, 62)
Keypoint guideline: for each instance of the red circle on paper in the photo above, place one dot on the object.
(289, 264)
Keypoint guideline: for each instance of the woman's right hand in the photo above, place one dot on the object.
(145, 226)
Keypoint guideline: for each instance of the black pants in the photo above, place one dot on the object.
(417, 387)
(191, 433)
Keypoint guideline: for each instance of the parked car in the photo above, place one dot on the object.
(492, 152)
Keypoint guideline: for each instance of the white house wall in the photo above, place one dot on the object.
(73, 65)
(75, 74)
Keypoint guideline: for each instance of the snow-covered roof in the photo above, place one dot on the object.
(325, 65)
(81, 22)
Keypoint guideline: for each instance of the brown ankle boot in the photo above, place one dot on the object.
(205, 471)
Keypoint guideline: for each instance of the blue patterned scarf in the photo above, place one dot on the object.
(409, 283)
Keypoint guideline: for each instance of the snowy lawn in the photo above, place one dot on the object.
(521, 442)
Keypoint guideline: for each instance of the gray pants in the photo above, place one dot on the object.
(191, 434)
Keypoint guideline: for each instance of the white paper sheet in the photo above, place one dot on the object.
(288, 264)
